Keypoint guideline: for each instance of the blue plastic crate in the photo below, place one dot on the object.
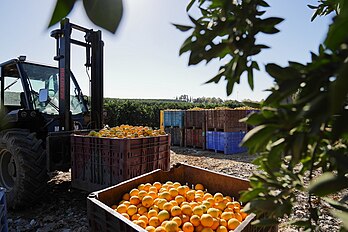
(174, 118)
(3, 212)
(209, 139)
(232, 142)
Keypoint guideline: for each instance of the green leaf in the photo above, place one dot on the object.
(338, 91)
(190, 5)
(182, 27)
(265, 222)
(250, 194)
(263, 3)
(343, 216)
(62, 9)
(217, 78)
(258, 137)
(229, 87)
(106, 14)
(327, 183)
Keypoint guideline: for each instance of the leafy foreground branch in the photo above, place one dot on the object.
(305, 139)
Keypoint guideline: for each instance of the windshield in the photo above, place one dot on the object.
(43, 77)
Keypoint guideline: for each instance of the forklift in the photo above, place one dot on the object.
(41, 107)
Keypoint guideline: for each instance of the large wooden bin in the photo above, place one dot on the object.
(102, 218)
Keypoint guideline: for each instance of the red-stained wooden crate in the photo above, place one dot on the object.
(101, 162)
(195, 138)
(226, 120)
(195, 119)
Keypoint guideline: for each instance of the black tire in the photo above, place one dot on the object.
(23, 169)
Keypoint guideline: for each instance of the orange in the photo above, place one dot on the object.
(197, 210)
(150, 229)
(134, 192)
(158, 185)
(132, 209)
(174, 202)
(114, 207)
(163, 215)
(134, 200)
(186, 209)
(153, 189)
(135, 216)
(220, 205)
(153, 194)
(121, 208)
(200, 193)
(182, 190)
(211, 201)
(236, 204)
(207, 220)
(233, 223)
(238, 216)
(188, 227)
(223, 222)
(205, 208)
(147, 186)
(171, 226)
(152, 213)
(207, 230)
(142, 210)
(175, 211)
(227, 215)
(144, 218)
(165, 195)
(244, 215)
(126, 196)
(160, 229)
(190, 195)
(195, 220)
(161, 203)
(206, 204)
(126, 203)
(142, 194)
(173, 192)
(218, 197)
(154, 207)
(140, 223)
(185, 218)
(141, 187)
(155, 222)
(125, 215)
(229, 198)
(221, 229)
(199, 187)
(216, 224)
(179, 199)
(176, 185)
(213, 212)
(193, 204)
(168, 206)
(198, 198)
(207, 195)
(177, 220)
(147, 201)
(199, 228)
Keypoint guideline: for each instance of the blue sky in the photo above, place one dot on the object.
(142, 59)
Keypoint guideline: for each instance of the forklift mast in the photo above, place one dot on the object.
(94, 59)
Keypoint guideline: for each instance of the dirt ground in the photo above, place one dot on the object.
(64, 208)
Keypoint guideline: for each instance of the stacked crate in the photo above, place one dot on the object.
(98, 162)
(173, 123)
(3, 213)
(225, 131)
(195, 128)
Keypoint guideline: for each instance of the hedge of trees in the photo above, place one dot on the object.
(147, 112)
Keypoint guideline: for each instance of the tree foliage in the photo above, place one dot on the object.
(296, 140)
(147, 112)
(106, 14)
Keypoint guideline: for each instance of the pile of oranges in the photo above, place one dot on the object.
(127, 131)
(172, 207)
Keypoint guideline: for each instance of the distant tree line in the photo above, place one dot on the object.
(147, 112)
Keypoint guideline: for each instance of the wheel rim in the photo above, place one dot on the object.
(7, 170)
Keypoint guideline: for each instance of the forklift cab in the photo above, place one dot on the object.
(35, 87)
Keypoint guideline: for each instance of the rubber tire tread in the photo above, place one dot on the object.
(31, 170)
